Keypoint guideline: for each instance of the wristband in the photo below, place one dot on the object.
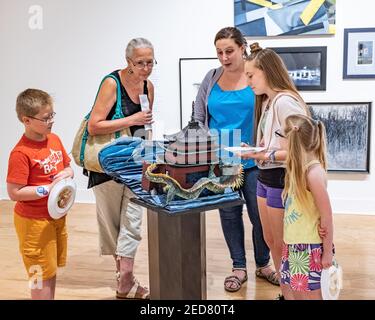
(272, 156)
(42, 191)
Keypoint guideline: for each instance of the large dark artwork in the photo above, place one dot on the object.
(348, 134)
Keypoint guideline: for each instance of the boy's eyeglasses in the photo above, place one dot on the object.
(142, 64)
(279, 134)
(46, 120)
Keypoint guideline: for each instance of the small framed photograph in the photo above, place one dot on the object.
(192, 72)
(348, 129)
(306, 66)
(359, 60)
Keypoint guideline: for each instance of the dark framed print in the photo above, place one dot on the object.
(359, 49)
(348, 129)
(306, 66)
(191, 73)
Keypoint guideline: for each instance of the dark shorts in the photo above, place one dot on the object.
(273, 195)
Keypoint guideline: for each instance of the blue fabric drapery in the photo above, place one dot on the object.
(122, 160)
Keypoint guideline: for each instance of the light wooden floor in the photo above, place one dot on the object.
(89, 276)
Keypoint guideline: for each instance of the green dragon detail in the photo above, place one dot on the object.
(212, 182)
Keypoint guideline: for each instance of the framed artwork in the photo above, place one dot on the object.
(306, 66)
(359, 59)
(348, 129)
(191, 73)
(261, 18)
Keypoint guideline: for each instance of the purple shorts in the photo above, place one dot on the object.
(273, 195)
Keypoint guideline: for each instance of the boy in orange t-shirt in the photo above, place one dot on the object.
(36, 164)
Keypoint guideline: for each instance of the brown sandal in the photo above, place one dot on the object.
(271, 277)
(233, 279)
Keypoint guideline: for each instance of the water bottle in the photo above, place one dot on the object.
(145, 106)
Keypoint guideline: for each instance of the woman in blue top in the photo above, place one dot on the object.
(225, 102)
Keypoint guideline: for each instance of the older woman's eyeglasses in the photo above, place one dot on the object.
(142, 64)
(279, 134)
(48, 120)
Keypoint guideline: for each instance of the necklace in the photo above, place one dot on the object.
(130, 84)
(133, 89)
(267, 107)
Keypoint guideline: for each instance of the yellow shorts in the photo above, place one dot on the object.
(42, 244)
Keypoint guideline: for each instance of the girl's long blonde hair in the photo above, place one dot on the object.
(305, 135)
(276, 75)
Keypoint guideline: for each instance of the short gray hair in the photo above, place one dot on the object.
(137, 43)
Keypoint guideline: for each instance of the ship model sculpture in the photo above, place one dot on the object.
(190, 164)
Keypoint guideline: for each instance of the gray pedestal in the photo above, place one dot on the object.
(177, 251)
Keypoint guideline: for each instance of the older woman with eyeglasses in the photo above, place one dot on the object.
(120, 220)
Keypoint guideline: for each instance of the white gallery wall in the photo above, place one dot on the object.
(67, 48)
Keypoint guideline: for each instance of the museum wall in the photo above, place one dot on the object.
(78, 42)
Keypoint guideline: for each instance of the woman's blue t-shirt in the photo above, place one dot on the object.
(231, 113)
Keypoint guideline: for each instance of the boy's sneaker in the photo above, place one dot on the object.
(280, 297)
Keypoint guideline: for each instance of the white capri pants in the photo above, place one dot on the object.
(119, 220)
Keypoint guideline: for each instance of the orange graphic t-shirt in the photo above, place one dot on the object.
(34, 163)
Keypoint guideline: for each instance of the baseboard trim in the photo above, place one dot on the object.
(339, 205)
(361, 206)
(83, 195)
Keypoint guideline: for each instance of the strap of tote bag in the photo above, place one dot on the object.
(118, 115)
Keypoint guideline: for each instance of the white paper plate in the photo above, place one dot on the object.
(331, 282)
(244, 149)
(61, 198)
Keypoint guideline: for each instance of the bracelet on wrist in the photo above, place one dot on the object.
(273, 156)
